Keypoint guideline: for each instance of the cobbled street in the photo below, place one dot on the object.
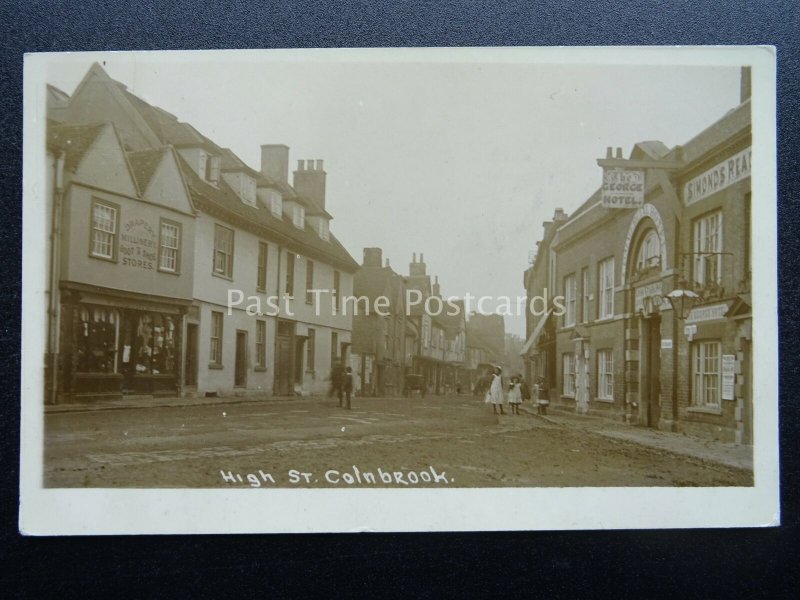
(457, 440)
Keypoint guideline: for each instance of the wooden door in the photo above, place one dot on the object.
(240, 370)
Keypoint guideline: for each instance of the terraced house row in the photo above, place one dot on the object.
(152, 225)
(657, 328)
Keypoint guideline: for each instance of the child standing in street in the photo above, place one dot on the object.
(514, 395)
(495, 394)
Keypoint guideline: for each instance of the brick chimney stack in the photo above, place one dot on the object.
(559, 215)
(373, 257)
(745, 84)
(417, 268)
(275, 162)
(436, 289)
(309, 180)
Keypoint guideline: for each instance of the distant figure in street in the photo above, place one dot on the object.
(336, 382)
(495, 394)
(514, 395)
(346, 387)
(541, 403)
(458, 388)
(524, 390)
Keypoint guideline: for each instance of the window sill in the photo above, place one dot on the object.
(606, 318)
(168, 272)
(260, 369)
(261, 290)
(704, 410)
(568, 397)
(606, 400)
(216, 366)
(103, 258)
(221, 276)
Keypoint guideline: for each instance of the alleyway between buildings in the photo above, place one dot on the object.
(213, 442)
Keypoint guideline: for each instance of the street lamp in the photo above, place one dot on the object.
(682, 301)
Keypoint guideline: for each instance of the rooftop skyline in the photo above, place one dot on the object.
(460, 162)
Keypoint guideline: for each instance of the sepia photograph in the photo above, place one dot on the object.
(440, 289)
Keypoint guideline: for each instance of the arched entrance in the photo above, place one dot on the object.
(644, 267)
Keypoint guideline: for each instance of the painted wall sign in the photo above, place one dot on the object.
(728, 376)
(623, 188)
(666, 344)
(707, 313)
(717, 178)
(137, 245)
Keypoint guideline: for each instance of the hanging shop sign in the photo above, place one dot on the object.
(717, 178)
(623, 188)
(728, 376)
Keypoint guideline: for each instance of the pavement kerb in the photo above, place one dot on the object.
(638, 442)
(175, 403)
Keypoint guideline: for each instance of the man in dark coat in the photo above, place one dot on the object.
(336, 382)
(346, 387)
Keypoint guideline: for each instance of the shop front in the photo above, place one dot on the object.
(114, 345)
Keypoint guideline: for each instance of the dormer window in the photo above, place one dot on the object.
(212, 173)
(275, 204)
(202, 165)
(323, 229)
(208, 167)
(299, 216)
(248, 190)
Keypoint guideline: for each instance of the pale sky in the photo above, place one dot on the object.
(462, 162)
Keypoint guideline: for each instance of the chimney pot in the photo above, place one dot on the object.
(301, 165)
(319, 164)
(609, 152)
(619, 152)
(414, 257)
(387, 263)
(421, 259)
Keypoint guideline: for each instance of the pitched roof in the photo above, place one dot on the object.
(223, 202)
(164, 128)
(144, 165)
(56, 98)
(74, 140)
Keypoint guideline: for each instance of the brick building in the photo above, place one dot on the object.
(378, 353)
(614, 344)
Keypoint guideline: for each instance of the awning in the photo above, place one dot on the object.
(537, 331)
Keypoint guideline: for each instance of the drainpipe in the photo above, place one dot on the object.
(275, 381)
(53, 313)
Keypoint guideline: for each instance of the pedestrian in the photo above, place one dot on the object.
(495, 394)
(346, 387)
(539, 399)
(524, 390)
(336, 382)
(514, 395)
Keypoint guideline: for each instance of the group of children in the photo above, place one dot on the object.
(518, 391)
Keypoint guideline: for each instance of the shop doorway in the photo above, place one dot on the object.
(284, 373)
(190, 365)
(240, 369)
(650, 371)
(298, 360)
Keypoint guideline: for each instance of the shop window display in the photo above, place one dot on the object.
(96, 345)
